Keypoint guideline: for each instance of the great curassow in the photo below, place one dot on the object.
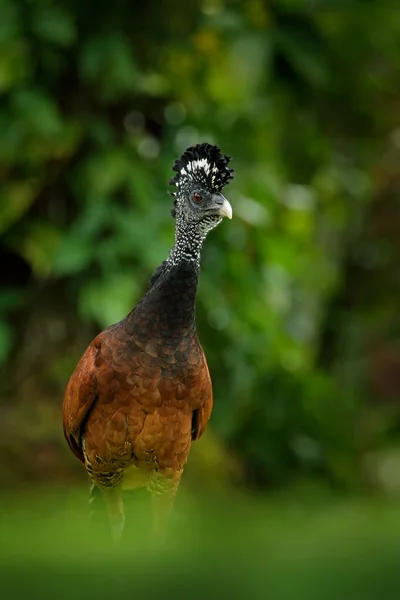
(141, 393)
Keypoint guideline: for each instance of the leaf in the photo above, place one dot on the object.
(38, 112)
(39, 246)
(103, 172)
(15, 65)
(73, 256)
(109, 62)
(54, 24)
(10, 21)
(15, 200)
(108, 300)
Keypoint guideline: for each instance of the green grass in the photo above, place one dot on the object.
(219, 546)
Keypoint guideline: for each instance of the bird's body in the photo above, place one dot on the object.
(142, 392)
(139, 386)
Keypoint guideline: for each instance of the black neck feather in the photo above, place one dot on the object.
(170, 304)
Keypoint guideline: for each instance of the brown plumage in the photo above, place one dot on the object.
(141, 393)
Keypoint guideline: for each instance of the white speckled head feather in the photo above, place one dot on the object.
(204, 164)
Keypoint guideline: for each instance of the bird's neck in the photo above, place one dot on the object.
(187, 248)
(171, 301)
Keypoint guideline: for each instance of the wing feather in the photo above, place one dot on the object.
(201, 415)
(80, 397)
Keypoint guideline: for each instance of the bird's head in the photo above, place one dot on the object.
(201, 173)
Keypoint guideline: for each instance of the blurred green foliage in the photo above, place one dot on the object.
(236, 550)
(296, 307)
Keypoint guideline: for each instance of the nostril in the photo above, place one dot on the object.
(219, 200)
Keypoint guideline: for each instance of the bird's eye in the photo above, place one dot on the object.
(197, 197)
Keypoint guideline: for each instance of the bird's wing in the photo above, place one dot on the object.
(80, 397)
(202, 414)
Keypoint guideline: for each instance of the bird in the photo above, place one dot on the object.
(142, 393)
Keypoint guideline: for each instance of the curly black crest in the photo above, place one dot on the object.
(205, 164)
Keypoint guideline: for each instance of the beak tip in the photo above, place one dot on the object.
(226, 209)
